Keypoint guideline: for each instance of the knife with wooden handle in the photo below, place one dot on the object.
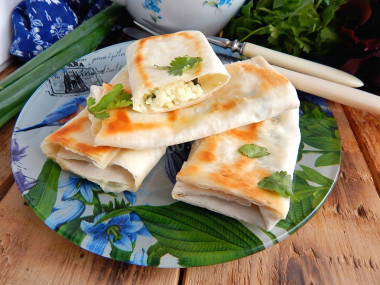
(291, 62)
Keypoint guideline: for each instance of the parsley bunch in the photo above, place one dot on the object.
(291, 26)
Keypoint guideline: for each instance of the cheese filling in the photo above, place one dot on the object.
(173, 94)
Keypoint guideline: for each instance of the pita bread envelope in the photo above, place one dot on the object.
(156, 88)
(114, 169)
(255, 92)
(218, 177)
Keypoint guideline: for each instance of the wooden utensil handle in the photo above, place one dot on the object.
(302, 65)
(333, 91)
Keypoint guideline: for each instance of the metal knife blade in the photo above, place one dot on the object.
(136, 33)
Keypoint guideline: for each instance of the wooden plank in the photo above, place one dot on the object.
(339, 245)
(6, 177)
(9, 70)
(32, 253)
(366, 128)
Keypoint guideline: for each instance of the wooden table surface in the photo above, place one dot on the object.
(339, 245)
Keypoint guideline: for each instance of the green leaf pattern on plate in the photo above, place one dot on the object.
(42, 196)
(196, 236)
(320, 132)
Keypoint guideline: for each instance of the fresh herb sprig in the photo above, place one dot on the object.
(291, 26)
(253, 151)
(280, 182)
(180, 64)
(115, 98)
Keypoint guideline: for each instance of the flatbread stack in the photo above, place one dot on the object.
(246, 102)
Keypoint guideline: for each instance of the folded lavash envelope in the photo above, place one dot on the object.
(255, 92)
(157, 89)
(114, 169)
(218, 177)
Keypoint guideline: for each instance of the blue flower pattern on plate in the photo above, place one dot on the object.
(75, 184)
(24, 182)
(121, 231)
(17, 154)
(130, 196)
(64, 212)
(140, 257)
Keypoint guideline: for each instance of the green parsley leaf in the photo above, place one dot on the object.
(115, 98)
(102, 115)
(252, 150)
(180, 64)
(280, 182)
(90, 101)
(296, 27)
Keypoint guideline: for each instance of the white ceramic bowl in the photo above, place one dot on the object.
(207, 16)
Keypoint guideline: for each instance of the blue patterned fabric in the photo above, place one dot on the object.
(38, 24)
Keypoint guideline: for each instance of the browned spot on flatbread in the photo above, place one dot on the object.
(186, 35)
(224, 107)
(245, 134)
(63, 136)
(89, 149)
(207, 152)
(119, 122)
(206, 156)
(108, 87)
(190, 170)
(228, 106)
(240, 181)
(127, 89)
(242, 162)
(269, 77)
(172, 115)
(139, 63)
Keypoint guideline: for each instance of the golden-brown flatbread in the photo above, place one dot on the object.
(255, 92)
(218, 177)
(154, 89)
(114, 169)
